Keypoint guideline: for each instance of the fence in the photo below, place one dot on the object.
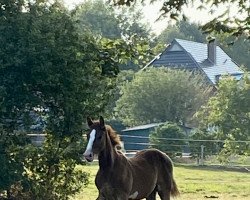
(189, 151)
(197, 151)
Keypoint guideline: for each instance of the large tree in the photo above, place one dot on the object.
(182, 30)
(228, 115)
(159, 95)
(49, 69)
(105, 21)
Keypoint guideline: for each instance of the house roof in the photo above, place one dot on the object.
(193, 55)
(142, 127)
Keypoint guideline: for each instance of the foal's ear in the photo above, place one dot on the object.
(89, 121)
(102, 122)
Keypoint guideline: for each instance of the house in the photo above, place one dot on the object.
(137, 138)
(209, 59)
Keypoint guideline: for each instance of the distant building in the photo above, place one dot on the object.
(209, 59)
(137, 138)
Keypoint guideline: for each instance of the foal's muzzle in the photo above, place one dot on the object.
(89, 156)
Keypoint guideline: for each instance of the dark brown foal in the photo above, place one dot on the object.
(149, 172)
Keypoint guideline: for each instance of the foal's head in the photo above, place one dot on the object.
(97, 138)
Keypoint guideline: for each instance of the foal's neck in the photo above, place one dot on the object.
(107, 156)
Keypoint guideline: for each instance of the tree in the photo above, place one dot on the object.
(182, 30)
(207, 140)
(124, 24)
(99, 18)
(236, 25)
(47, 68)
(228, 113)
(162, 135)
(161, 94)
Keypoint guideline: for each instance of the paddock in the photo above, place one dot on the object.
(194, 182)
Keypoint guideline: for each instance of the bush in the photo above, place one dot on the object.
(158, 139)
(12, 169)
(49, 172)
(210, 147)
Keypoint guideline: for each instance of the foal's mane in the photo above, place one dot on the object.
(114, 137)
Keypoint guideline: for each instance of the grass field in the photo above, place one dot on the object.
(194, 184)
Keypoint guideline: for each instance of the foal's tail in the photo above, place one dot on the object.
(174, 189)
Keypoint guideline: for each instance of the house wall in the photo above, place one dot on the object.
(136, 143)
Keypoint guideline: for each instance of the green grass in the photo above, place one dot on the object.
(194, 183)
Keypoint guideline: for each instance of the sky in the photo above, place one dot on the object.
(152, 12)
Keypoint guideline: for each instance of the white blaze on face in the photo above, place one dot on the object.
(88, 154)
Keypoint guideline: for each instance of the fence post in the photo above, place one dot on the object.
(202, 154)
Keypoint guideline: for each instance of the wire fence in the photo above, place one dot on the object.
(188, 150)
(185, 150)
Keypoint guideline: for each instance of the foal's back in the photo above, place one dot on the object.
(151, 169)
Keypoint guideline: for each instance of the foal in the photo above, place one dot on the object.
(120, 178)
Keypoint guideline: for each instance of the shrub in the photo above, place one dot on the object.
(159, 139)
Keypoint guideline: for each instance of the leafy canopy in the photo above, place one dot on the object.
(126, 37)
(49, 69)
(162, 135)
(161, 94)
(228, 114)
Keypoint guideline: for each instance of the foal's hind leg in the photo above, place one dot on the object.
(164, 195)
(152, 196)
(164, 192)
(164, 189)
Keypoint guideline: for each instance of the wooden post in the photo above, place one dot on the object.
(202, 154)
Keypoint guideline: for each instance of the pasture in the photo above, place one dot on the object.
(194, 183)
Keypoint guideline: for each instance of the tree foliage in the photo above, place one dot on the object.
(99, 18)
(161, 139)
(124, 25)
(49, 69)
(51, 170)
(229, 116)
(207, 140)
(236, 25)
(109, 22)
(158, 95)
(12, 170)
(182, 30)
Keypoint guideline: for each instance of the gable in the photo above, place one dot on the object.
(175, 57)
(193, 55)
